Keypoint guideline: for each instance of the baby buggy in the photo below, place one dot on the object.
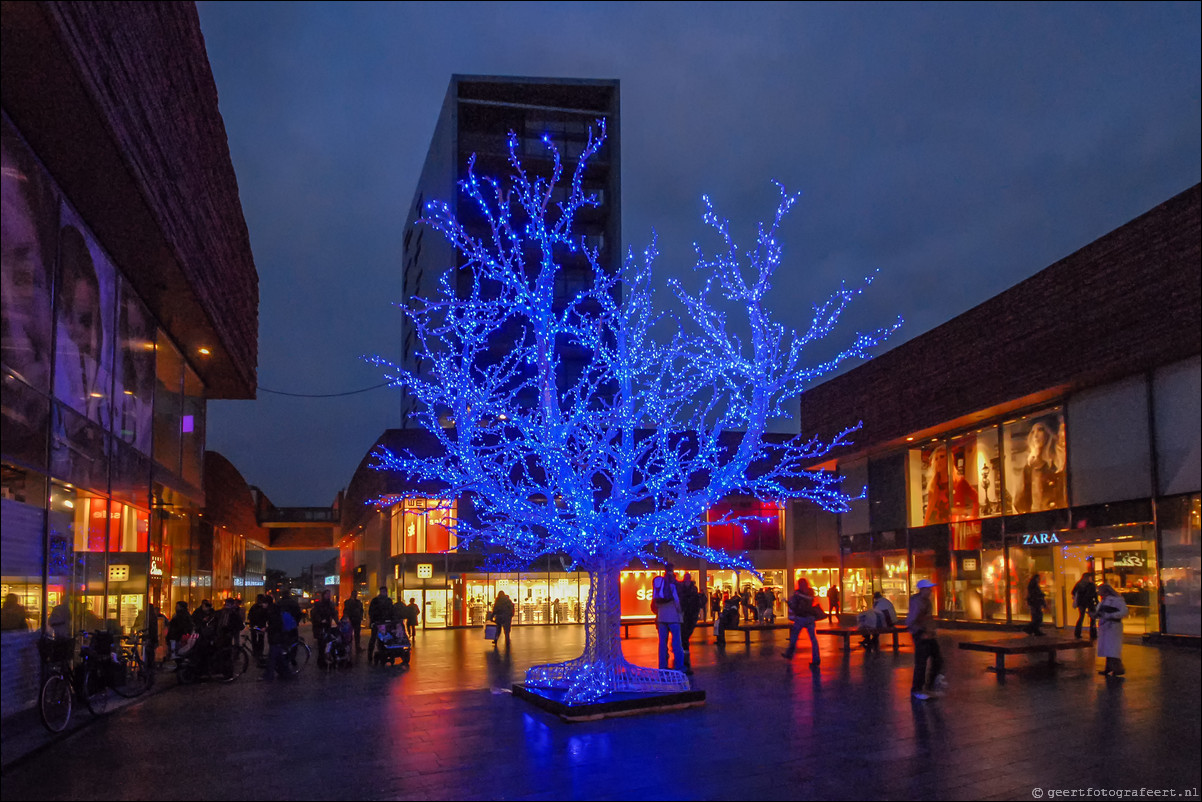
(392, 645)
(337, 643)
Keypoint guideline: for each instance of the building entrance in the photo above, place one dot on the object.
(1128, 566)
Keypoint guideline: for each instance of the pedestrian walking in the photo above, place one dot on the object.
(413, 614)
(1085, 599)
(665, 598)
(691, 602)
(352, 610)
(1110, 612)
(920, 620)
(832, 601)
(278, 639)
(802, 613)
(1035, 602)
(502, 615)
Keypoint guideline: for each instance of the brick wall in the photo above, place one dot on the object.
(1128, 302)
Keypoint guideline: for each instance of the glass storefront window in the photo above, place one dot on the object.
(78, 528)
(993, 585)
(423, 526)
(133, 394)
(168, 399)
(192, 428)
(762, 527)
(28, 247)
(1035, 462)
(23, 521)
(857, 582)
(1025, 562)
(930, 502)
(79, 450)
(85, 316)
(23, 422)
(923, 566)
(1181, 572)
(892, 577)
(964, 595)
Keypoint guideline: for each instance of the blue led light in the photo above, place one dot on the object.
(663, 416)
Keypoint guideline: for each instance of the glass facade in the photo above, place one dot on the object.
(94, 393)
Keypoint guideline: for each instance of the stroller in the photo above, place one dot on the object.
(336, 645)
(391, 645)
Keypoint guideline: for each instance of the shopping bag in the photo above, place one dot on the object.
(490, 632)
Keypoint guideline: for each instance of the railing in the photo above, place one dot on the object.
(299, 515)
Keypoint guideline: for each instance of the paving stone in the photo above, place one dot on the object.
(446, 729)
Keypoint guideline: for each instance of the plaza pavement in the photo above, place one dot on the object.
(447, 728)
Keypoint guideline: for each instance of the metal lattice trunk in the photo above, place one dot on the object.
(602, 669)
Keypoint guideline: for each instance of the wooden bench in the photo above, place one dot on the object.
(1027, 645)
(627, 623)
(847, 632)
(747, 629)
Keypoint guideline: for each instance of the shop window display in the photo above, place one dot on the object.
(423, 526)
(133, 394)
(892, 572)
(930, 500)
(85, 323)
(1035, 462)
(857, 582)
(28, 246)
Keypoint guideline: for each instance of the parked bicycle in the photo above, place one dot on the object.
(57, 697)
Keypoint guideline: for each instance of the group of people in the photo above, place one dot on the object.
(383, 612)
(678, 604)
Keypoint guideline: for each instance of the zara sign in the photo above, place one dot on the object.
(1040, 539)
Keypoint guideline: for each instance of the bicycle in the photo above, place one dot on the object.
(57, 696)
(133, 677)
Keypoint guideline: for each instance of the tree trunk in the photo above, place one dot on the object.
(602, 670)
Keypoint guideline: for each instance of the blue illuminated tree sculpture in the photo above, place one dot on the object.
(660, 417)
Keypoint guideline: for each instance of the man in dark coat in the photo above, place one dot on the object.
(690, 606)
(1085, 599)
(412, 615)
(379, 611)
(352, 610)
(323, 615)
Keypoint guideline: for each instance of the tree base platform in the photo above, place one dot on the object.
(610, 706)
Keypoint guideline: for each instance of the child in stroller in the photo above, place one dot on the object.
(337, 643)
(392, 644)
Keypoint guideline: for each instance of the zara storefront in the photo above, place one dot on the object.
(991, 457)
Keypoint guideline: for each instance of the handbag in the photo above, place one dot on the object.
(490, 632)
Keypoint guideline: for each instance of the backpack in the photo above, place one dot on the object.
(663, 593)
(289, 622)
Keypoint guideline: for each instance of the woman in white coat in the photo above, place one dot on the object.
(1110, 613)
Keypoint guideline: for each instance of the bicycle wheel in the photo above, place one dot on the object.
(242, 659)
(298, 657)
(94, 689)
(55, 703)
(134, 679)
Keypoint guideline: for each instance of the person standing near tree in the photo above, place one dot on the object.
(665, 598)
(691, 602)
(352, 610)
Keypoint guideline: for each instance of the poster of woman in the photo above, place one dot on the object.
(1035, 461)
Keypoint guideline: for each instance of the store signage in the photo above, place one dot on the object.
(118, 573)
(1131, 559)
(970, 564)
(425, 570)
(332, 580)
(156, 565)
(1040, 539)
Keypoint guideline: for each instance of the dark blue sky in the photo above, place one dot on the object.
(956, 148)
